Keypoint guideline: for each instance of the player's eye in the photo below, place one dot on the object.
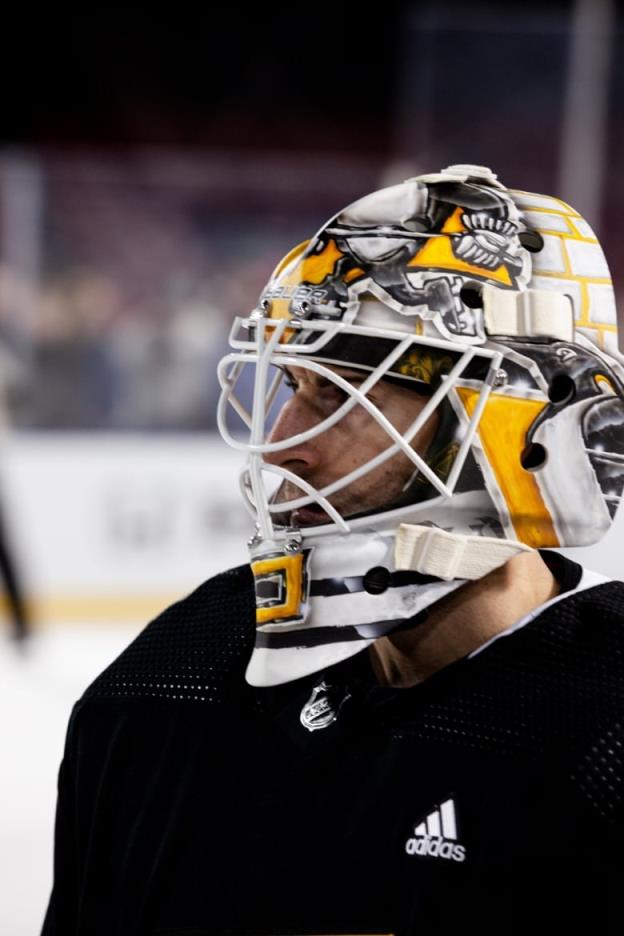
(320, 388)
(290, 382)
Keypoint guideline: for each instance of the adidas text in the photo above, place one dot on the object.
(435, 848)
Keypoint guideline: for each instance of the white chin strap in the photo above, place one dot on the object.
(432, 551)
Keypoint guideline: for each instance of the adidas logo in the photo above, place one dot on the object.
(436, 836)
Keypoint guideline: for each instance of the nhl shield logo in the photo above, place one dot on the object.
(322, 708)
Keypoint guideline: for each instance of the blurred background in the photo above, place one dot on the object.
(154, 167)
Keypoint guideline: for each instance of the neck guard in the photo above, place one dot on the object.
(322, 600)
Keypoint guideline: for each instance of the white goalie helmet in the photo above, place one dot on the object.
(496, 307)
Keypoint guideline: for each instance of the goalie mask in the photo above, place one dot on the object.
(461, 337)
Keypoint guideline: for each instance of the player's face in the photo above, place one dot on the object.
(351, 442)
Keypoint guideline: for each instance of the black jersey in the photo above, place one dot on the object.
(491, 795)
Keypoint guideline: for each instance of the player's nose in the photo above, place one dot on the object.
(295, 417)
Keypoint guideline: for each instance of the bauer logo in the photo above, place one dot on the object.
(436, 836)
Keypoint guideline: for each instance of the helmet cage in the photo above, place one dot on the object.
(290, 342)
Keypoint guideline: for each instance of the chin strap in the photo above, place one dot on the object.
(447, 556)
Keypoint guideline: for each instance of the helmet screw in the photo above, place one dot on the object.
(292, 546)
(266, 305)
(500, 378)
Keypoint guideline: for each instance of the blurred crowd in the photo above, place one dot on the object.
(120, 276)
(118, 296)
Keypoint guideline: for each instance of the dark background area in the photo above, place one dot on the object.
(293, 77)
(286, 76)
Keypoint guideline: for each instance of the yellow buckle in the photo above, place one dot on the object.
(285, 573)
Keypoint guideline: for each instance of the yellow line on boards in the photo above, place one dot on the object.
(45, 610)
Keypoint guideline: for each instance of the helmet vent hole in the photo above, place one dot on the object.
(533, 457)
(531, 241)
(470, 295)
(561, 389)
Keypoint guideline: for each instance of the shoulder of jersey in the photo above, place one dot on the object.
(553, 688)
(570, 664)
(196, 649)
(597, 680)
(574, 653)
(598, 614)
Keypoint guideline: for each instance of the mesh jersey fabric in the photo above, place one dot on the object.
(191, 803)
